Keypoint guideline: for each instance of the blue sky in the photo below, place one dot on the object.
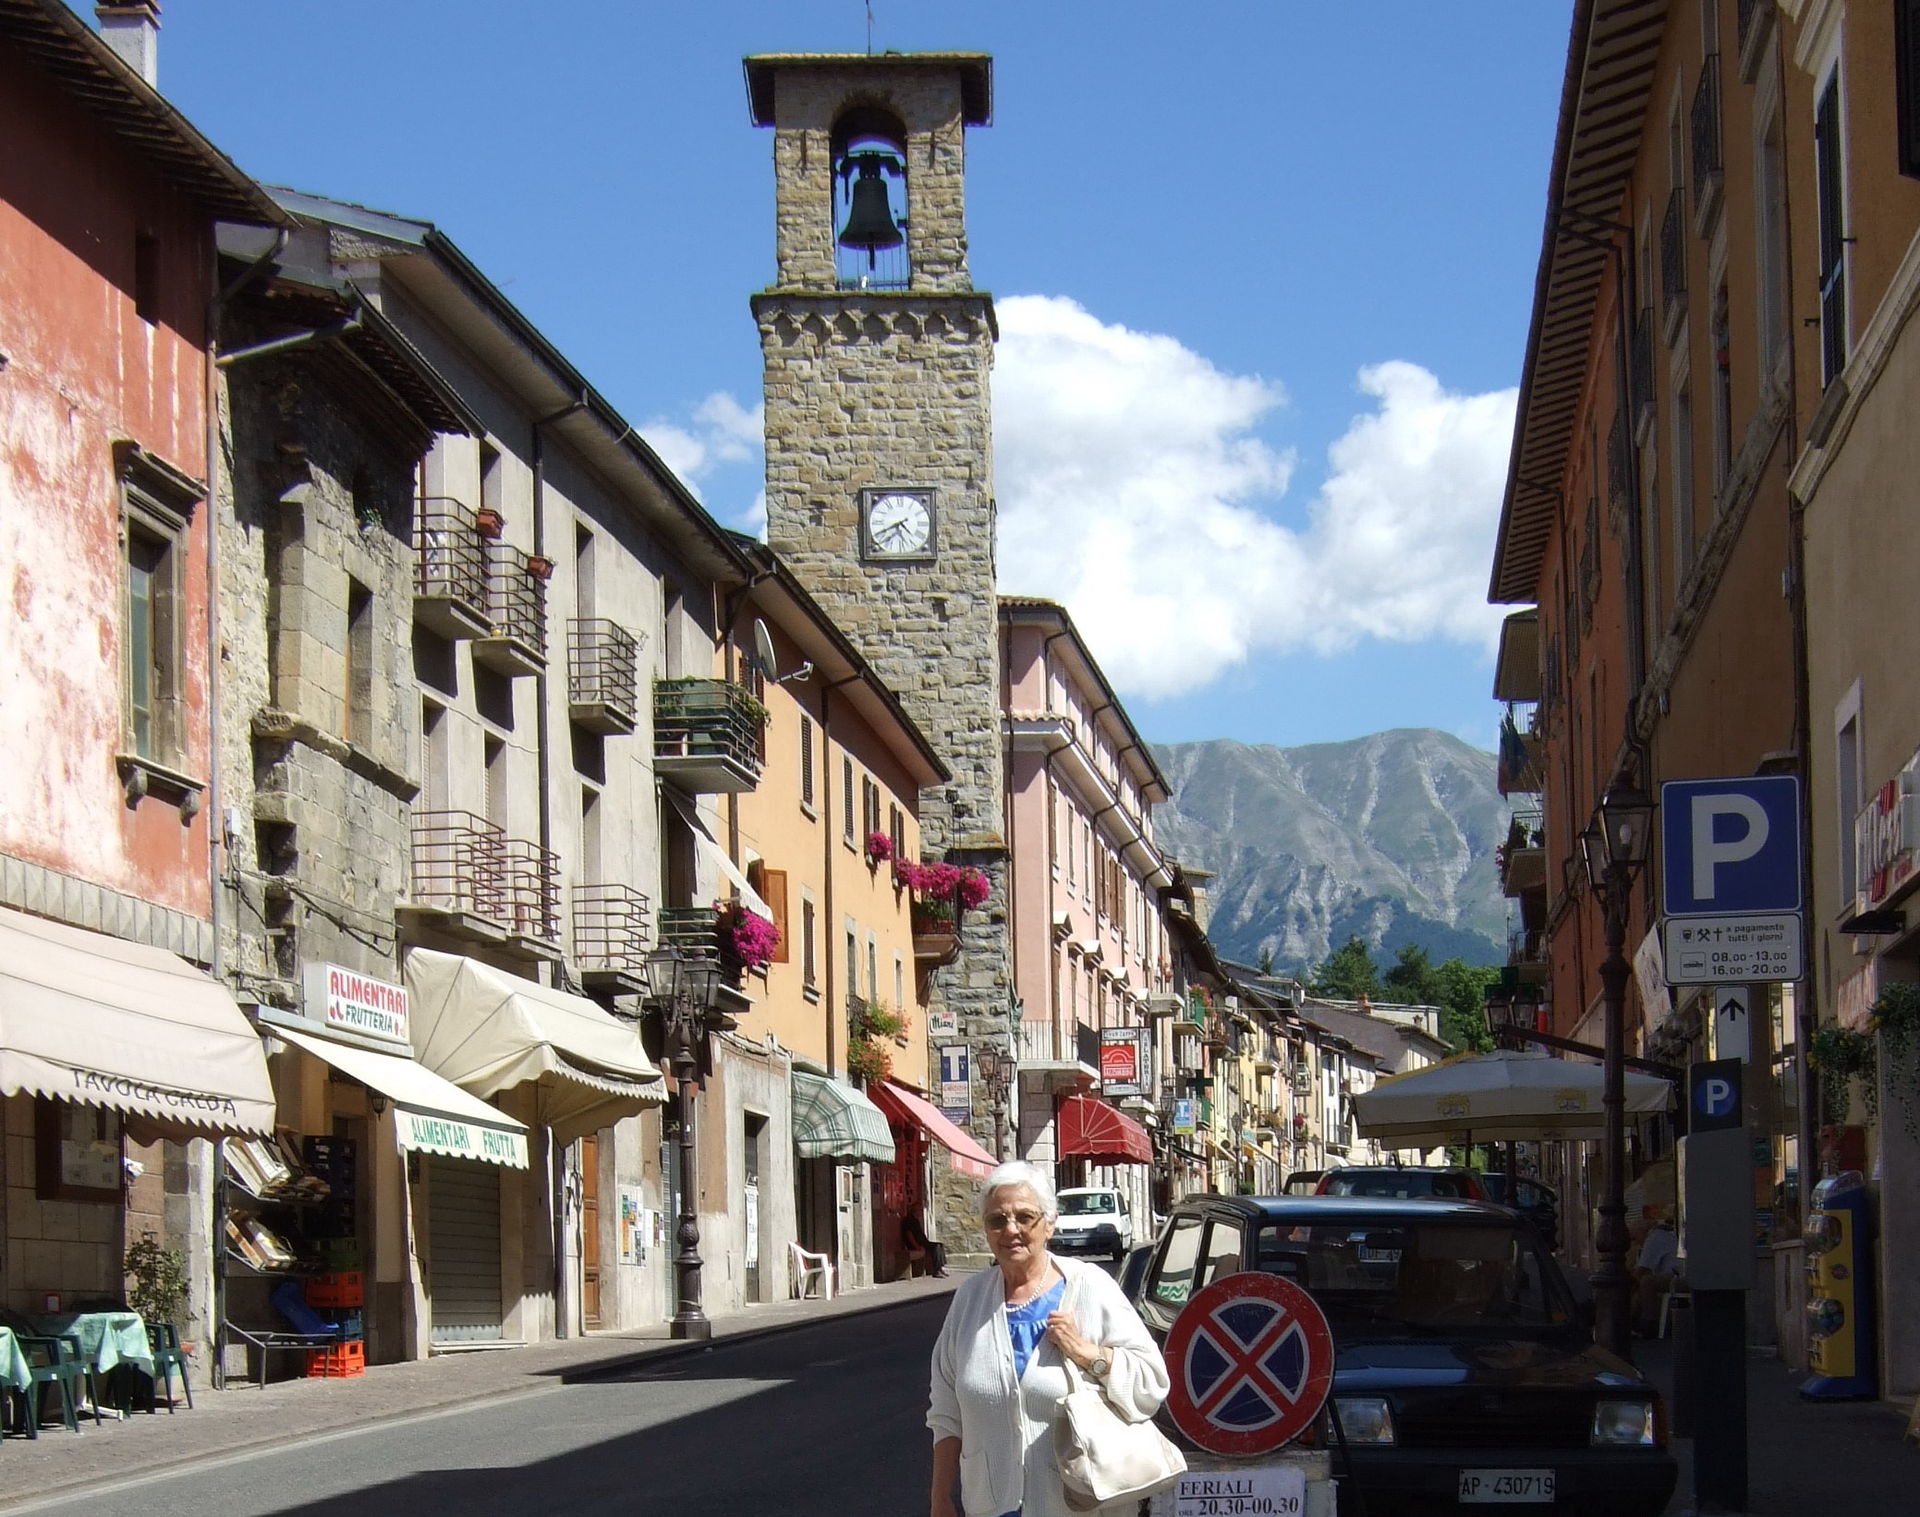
(1264, 273)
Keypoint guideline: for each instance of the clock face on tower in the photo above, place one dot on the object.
(897, 524)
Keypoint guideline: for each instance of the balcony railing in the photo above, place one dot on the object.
(517, 606)
(709, 735)
(449, 569)
(458, 865)
(1707, 167)
(603, 676)
(531, 877)
(691, 929)
(610, 935)
(1673, 259)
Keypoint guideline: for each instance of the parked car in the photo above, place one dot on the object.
(1093, 1220)
(1406, 1181)
(1537, 1202)
(1303, 1182)
(1462, 1373)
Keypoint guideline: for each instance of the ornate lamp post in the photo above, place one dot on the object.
(997, 1067)
(682, 991)
(1613, 849)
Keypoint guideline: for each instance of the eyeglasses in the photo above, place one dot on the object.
(998, 1221)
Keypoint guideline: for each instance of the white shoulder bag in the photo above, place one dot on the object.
(1102, 1456)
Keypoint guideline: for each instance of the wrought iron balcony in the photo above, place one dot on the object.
(517, 606)
(709, 735)
(603, 676)
(531, 877)
(1673, 260)
(610, 937)
(475, 882)
(1705, 123)
(691, 929)
(449, 569)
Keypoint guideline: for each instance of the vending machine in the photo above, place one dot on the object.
(1841, 1339)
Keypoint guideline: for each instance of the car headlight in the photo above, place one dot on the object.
(1623, 1422)
(1364, 1419)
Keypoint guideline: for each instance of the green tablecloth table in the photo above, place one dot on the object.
(106, 1338)
(15, 1373)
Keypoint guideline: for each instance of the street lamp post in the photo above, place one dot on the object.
(996, 1067)
(1613, 848)
(682, 988)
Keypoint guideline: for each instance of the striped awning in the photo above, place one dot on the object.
(1092, 1129)
(835, 1121)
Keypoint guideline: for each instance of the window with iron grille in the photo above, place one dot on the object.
(1828, 182)
(846, 798)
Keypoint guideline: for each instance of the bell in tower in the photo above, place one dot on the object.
(870, 171)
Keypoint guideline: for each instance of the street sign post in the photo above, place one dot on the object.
(1742, 950)
(1732, 1024)
(1250, 1358)
(1730, 846)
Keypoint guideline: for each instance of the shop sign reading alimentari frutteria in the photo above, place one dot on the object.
(343, 1000)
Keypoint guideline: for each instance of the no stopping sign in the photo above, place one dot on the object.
(1251, 1361)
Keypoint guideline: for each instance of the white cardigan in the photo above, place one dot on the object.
(1006, 1440)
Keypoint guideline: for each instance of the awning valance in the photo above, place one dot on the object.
(430, 1114)
(98, 1020)
(1091, 1129)
(488, 1031)
(835, 1121)
(966, 1156)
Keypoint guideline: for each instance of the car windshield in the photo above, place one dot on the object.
(1087, 1206)
(1410, 1278)
(1397, 1182)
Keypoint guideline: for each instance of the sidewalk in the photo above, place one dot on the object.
(1805, 1458)
(233, 1421)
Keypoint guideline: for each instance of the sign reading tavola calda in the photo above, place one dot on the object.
(348, 1001)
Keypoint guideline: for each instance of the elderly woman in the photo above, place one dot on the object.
(999, 1371)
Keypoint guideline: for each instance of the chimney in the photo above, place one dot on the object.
(132, 29)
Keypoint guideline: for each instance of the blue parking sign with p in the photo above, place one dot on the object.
(1730, 846)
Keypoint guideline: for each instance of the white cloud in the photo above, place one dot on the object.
(719, 433)
(1133, 488)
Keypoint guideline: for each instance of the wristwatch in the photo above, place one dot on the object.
(1098, 1366)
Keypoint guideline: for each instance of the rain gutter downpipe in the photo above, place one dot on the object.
(559, 1195)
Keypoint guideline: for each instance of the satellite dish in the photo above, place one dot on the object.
(763, 651)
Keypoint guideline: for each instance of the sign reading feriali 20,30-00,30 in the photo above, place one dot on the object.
(1731, 880)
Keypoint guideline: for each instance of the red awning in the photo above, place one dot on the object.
(1091, 1129)
(966, 1156)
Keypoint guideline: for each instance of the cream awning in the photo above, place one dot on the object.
(430, 1114)
(101, 1021)
(488, 1031)
(835, 1121)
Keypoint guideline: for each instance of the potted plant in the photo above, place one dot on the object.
(1840, 1054)
(540, 566)
(879, 849)
(1895, 1021)
(747, 939)
(488, 522)
(156, 1281)
(868, 1061)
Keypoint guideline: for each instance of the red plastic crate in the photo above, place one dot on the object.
(340, 1362)
(347, 1288)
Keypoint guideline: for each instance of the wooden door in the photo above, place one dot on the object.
(590, 1229)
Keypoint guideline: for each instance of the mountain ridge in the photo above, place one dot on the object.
(1390, 836)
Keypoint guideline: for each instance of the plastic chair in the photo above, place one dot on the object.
(55, 1362)
(169, 1359)
(809, 1267)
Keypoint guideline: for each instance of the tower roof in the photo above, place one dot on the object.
(975, 71)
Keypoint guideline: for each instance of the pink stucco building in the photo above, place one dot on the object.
(1090, 950)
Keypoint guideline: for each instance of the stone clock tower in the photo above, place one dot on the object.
(879, 443)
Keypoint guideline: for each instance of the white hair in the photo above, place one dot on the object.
(1019, 1172)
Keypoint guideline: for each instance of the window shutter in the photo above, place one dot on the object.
(1906, 68)
(806, 762)
(773, 890)
(846, 787)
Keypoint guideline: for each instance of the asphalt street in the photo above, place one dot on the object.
(817, 1422)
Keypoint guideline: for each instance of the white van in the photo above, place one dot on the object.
(1093, 1220)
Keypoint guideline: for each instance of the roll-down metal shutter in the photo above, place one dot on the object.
(463, 1242)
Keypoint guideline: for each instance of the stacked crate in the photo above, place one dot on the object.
(340, 1293)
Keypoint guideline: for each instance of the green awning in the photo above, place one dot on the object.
(834, 1121)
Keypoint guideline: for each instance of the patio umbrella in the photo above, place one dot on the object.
(1506, 1096)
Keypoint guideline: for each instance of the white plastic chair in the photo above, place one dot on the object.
(808, 1268)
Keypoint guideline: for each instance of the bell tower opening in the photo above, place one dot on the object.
(869, 201)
